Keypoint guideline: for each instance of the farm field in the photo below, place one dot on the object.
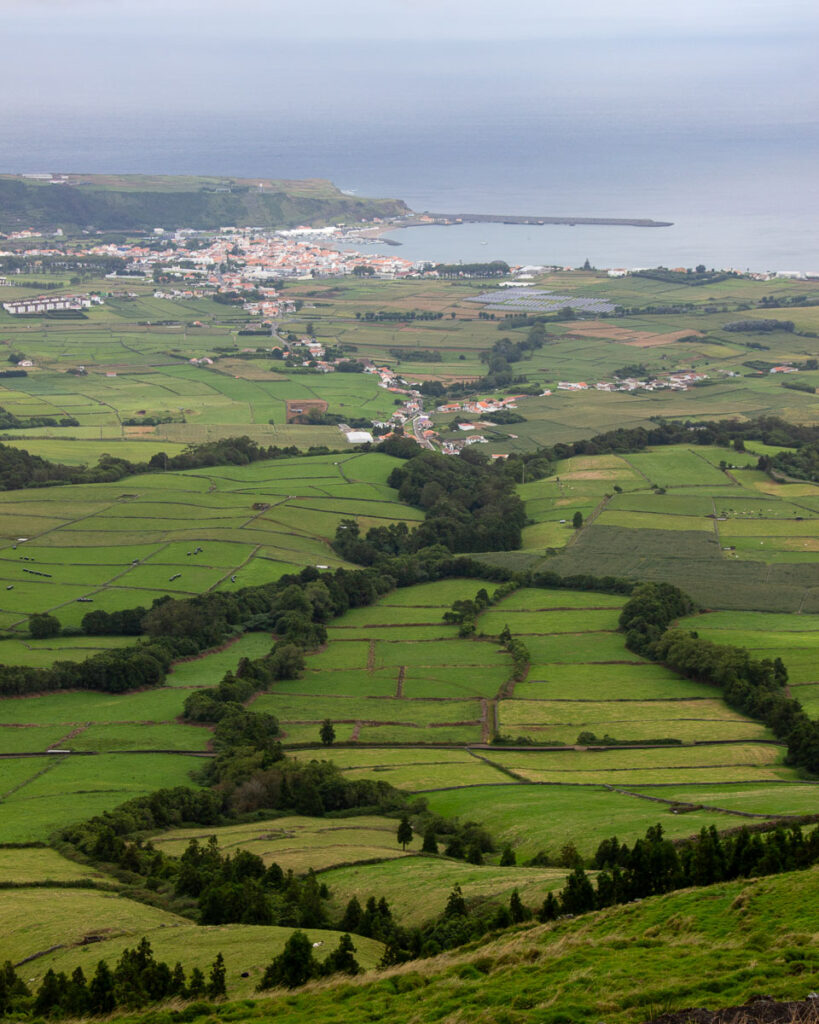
(33, 920)
(411, 702)
(299, 843)
(182, 533)
(534, 817)
(42, 794)
(419, 890)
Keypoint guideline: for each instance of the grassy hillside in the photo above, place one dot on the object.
(134, 202)
(715, 946)
(61, 929)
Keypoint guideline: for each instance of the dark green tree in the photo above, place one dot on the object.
(517, 910)
(327, 732)
(578, 895)
(430, 844)
(43, 626)
(197, 985)
(455, 904)
(550, 909)
(577, 520)
(404, 834)
(101, 990)
(342, 960)
(294, 966)
(508, 858)
(216, 979)
(50, 992)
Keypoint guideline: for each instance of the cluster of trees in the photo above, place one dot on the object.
(752, 686)
(495, 268)
(19, 469)
(649, 612)
(114, 671)
(8, 421)
(519, 652)
(761, 326)
(698, 276)
(464, 612)
(127, 622)
(470, 505)
(398, 315)
(652, 866)
(137, 980)
(504, 352)
(416, 355)
(803, 464)
(503, 416)
(656, 865)
(240, 889)
(212, 705)
(296, 964)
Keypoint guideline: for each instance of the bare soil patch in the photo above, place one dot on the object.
(757, 1011)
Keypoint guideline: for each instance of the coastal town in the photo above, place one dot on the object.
(246, 269)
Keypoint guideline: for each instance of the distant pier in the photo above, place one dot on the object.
(492, 218)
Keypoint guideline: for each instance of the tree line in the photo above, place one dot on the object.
(19, 469)
(755, 687)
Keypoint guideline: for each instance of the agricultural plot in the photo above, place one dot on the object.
(41, 864)
(83, 927)
(544, 721)
(62, 790)
(417, 890)
(300, 843)
(532, 818)
(719, 762)
(182, 533)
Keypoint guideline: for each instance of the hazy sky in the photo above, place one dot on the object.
(418, 19)
(330, 58)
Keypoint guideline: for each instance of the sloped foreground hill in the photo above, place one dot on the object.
(709, 947)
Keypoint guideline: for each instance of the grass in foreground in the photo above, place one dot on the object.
(715, 947)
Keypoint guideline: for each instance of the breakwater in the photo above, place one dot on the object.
(492, 218)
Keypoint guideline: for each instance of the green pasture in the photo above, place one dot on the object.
(737, 762)
(209, 668)
(34, 920)
(808, 697)
(144, 736)
(300, 843)
(614, 682)
(562, 722)
(580, 647)
(532, 818)
(66, 789)
(536, 600)
(41, 864)
(342, 683)
(774, 798)
(434, 595)
(30, 739)
(42, 653)
(581, 620)
(418, 888)
(82, 707)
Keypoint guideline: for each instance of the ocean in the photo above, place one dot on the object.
(722, 140)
